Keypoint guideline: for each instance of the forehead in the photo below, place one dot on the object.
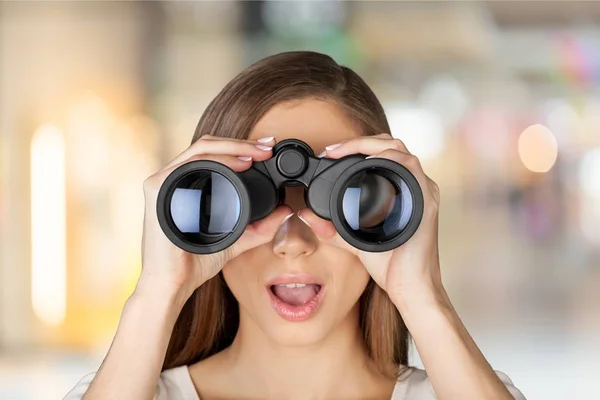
(317, 122)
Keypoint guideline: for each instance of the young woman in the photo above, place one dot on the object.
(204, 327)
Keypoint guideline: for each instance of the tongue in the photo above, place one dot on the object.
(296, 296)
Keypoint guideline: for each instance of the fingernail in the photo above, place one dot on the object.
(248, 158)
(333, 146)
(286, 218)
(373, 156)
(266, 139)
(303, 220)
(321, 154)
(266, 148)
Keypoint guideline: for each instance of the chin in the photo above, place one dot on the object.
(292, 334)
(299, 309)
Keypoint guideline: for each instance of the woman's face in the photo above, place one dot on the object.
(263, 278)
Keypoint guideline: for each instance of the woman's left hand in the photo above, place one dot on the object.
(412, 269)
(410, 274)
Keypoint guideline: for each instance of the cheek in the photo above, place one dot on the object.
(241, 275)
(350, 280)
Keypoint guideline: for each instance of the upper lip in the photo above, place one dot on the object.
(295, 278)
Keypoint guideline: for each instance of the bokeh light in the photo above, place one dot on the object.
(444, 95)
(538, 148)
(589, 173)
(48, 225)
(421, 130)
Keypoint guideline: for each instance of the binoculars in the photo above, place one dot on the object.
(375, 204)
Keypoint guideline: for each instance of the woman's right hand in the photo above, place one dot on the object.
(166, 266)
(132, 367)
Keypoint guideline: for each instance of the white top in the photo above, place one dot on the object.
(176, 384)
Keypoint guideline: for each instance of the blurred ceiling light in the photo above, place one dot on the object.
(303, 18)
(538, 148)
(48, 225)
(421, 130)
(589, 173)
(444, 95)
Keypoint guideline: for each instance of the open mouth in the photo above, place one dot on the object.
(296, 301)
(296, 294)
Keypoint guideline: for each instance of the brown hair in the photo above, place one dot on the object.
(209, 320)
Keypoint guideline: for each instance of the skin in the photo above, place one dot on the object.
(271, 358)
(326, 349)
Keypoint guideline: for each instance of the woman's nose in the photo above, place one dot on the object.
(293, 239)
(294, 198)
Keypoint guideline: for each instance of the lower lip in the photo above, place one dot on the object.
(296, 313)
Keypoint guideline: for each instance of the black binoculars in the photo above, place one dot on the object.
(375, 204)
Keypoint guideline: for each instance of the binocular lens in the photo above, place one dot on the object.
(205, 207)
(375, 207)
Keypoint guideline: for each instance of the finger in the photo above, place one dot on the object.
(325, 230)
(435, 190)
(382, 136)
(258, 151)
(367, 145)
(261, 232)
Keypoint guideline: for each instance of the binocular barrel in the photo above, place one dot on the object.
(375, 204)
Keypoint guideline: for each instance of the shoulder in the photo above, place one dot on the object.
(173, 384)
(413, 384)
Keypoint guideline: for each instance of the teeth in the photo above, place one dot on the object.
(292, 285)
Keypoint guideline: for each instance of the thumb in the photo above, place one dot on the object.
(261, 232)
(325, 230)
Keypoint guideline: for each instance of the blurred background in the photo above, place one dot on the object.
(500, 100)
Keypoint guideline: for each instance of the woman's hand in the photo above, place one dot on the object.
(169, 277)
(413, 267)
(410, 274)
(166, 266)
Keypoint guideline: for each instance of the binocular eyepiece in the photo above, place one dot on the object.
(375, 204)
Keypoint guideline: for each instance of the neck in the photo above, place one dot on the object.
(338, 363)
